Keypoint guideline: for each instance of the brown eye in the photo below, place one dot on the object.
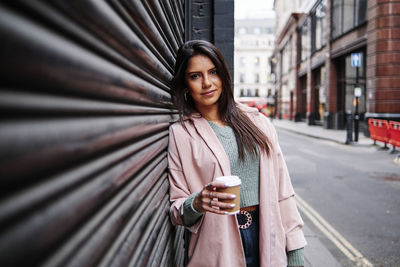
(213, 72)
(194, 76)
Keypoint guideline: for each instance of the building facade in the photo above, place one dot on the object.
(344, 59)
(286, 67)
(254, 44)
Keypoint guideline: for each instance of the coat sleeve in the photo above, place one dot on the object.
(179, 190)
(291, 219)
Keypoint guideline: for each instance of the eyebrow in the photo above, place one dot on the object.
(200, 71)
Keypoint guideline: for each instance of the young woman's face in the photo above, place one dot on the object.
(203, 82)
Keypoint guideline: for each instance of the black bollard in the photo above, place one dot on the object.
(349, 127)
(356, 126)
(356, 121)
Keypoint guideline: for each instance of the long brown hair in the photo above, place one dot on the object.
(248, 135)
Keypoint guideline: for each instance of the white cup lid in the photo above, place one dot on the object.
(229, 180)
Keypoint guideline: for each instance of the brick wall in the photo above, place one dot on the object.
(383, 57)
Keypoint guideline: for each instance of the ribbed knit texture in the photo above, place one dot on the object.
(247, 170)
(295, 257)
(190, 214)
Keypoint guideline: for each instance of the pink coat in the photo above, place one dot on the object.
(195, 158)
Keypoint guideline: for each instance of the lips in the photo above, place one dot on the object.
(208, 93)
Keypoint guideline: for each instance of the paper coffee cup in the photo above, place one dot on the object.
(233, 187)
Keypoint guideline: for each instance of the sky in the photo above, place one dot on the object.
(253, 9)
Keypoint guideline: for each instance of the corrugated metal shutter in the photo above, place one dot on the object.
(85, 109)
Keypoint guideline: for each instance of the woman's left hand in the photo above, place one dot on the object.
(208, 199)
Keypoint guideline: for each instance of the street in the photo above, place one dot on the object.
(355, 189)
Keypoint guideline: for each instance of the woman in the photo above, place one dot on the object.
(215, 137)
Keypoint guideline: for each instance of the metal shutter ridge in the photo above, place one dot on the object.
(85, 109)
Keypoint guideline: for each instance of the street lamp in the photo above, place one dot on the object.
(357, 95)
(356, 62)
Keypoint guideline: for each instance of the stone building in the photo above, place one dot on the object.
(254, 44)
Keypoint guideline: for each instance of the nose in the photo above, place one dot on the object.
(206, 82)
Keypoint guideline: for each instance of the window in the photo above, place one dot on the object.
(256, 78)
(256, 30)
(241, 92)
(348, 12)
(361, 15)
(257, 61)
(241, 77)
(257, 92)
(336, 17)
(304, 41)
(242, 30)
(285, 58)
(346, 15)
(319, 21)
(242, 61)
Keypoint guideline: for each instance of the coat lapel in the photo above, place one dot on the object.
(209, 137)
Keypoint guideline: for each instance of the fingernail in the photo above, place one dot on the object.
(232, 205)
(225, 212)
(233, 196)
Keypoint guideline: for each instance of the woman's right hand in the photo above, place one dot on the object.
(208, 199)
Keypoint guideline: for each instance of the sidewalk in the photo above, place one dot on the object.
(338, 136)
(315, 253)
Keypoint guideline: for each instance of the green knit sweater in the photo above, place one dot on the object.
(249, 172)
